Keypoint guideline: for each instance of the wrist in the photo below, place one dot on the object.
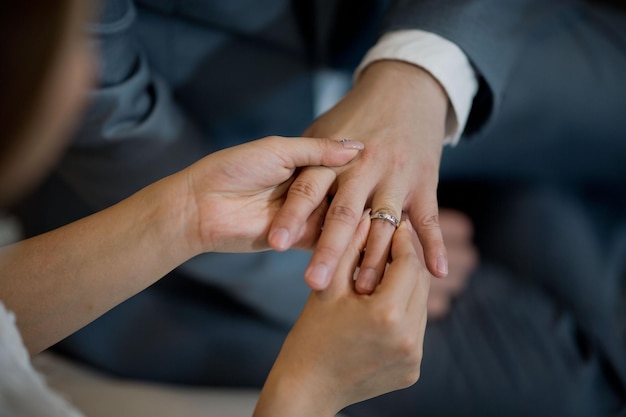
(408, 83)
(172, 216)
(298, 383)
(286, 394)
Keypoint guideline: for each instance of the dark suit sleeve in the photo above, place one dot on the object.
(492, 33)
(133, 132)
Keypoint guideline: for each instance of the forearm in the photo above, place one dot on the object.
(60, 281)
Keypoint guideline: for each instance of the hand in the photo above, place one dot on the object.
(235, 193)
(398, 110)
(226, 201)
(347, 347)
(457, 231)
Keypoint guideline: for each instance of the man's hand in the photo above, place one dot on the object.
(398, 110)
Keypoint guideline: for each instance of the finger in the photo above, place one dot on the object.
(400, 277)
(378, 245)
(425, 219)
(343, 276)
(310, 232)
(339, 225)
(307, 192)
(301, 152)
(423, 281)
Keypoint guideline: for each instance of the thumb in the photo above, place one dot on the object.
(301, 152)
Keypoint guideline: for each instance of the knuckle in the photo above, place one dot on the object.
(305, 189)
(412, 353)
(411, 376)
(273, 140)
(430, 222)
(342, 214)
(326, 252)
(417, 352)
(387, 317)
(407, 354)
(405, 347)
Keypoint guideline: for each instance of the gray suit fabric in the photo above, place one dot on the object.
(182, 79)
(558, 108)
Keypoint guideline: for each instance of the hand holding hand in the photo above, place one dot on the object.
(347, 347)
(398, 110)
(234, 194)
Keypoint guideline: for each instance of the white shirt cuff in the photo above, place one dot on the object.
(444, 60)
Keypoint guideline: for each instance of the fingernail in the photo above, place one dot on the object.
(318, 276)
(352, 144)
(442, 265)
(280, 237)
(367, 280)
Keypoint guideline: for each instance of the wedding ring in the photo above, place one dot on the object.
(386, 217)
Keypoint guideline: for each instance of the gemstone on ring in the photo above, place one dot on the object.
(386, 217)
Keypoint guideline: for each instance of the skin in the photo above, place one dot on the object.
(405, 133)
(356, 346)
(348, 347)
(345, 347)
(92, 265)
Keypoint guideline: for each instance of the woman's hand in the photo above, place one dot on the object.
(347, 347)
(235, 193)
(226, 202)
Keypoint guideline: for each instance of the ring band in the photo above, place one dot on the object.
(386, 217)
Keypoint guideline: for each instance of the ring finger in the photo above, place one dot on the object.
(385, 218)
